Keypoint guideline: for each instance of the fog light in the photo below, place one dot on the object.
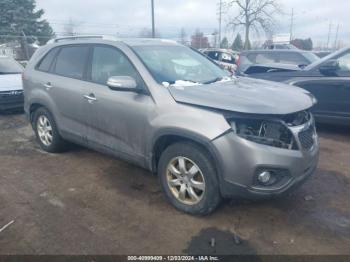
(264, 177)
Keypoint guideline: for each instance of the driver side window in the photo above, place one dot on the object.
(107, 62)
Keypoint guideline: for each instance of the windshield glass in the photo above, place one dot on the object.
(311, 57)
(9, 66)
(171, 64)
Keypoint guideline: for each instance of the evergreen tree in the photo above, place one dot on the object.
(237, 43)
(224, 43)
(19, 18)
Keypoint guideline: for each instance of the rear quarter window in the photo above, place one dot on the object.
(46, 62)
(292, 58)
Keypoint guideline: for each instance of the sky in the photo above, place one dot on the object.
(312, 18)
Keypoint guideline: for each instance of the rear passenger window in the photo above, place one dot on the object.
(214, 55)
(71, 61)
(292, 58)
(264, 59)
(46, 62)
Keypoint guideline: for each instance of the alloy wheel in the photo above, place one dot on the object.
(44, 130)
(185, 180)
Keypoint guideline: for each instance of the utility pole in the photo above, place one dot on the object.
(220, 21)
(329, 34)
(291, 25)
(25, 45)
(153, 24)
(336, 38)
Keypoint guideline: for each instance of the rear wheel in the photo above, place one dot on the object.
(188, 179)
(46, 132)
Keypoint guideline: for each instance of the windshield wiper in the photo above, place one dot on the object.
(213, 80)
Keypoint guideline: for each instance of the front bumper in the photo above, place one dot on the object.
(11, 100)
(240, 161)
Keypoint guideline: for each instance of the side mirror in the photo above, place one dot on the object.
(122, 83)
(330, 67)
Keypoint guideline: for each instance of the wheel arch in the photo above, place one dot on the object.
(166, 138)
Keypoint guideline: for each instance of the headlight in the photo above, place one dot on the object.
(266, 132)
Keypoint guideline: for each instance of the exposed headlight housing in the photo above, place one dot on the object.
(266, 132)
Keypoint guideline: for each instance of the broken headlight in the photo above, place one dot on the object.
(266, 132)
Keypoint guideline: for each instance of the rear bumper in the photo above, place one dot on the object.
(241, 161)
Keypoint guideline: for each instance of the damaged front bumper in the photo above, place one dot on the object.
(241, 162)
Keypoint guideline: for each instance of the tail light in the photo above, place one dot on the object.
(238, 60)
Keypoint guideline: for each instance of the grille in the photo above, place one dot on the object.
(306, 138)
(11, 94)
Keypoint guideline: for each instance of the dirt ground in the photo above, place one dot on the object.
(83, 202)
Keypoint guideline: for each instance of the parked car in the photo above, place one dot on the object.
(226, 58)
(269, 58)
(277, 46)
(11, 91)
(322, 54)
(327, 79)
(169, 109)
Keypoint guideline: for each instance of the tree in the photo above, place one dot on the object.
(147, 33)
(224, 43)
(183, 36)
(198, 40)
(304, 44)
(254, 14)
(70, 28)
(237, 43)
(22, 18)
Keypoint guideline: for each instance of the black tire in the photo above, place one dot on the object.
(211, 196)
(57, 145)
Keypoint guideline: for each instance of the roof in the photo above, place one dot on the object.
(275, 51)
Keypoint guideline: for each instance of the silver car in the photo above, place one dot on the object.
(168, 109)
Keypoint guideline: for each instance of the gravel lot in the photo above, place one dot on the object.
(83, 202)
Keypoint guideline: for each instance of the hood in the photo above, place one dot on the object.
(246, 95)
(10, 82)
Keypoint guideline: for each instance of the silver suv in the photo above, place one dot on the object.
(169, 109)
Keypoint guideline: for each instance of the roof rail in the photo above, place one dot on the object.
(81, 37)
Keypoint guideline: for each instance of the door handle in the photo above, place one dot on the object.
(91, 98)
(48, 86)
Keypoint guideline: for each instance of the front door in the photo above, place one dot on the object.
(119, 119)
(331, 91)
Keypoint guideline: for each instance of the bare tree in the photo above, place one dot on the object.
(183, 36)
(254, 15)
(70, 27)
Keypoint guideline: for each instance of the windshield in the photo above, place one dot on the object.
(9, 66)
(171, 64)
(311, 57)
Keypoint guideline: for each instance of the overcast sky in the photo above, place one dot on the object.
(312, 17)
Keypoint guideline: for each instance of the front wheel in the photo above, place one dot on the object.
(188, 178)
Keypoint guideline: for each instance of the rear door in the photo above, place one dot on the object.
(65, 86)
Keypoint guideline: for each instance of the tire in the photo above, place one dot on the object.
(54, 145)
(174, 182)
